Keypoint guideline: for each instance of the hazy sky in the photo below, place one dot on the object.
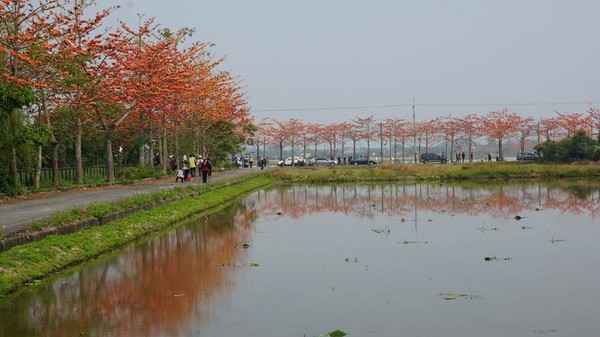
(332, 60)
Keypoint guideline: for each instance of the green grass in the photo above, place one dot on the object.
(453, 172)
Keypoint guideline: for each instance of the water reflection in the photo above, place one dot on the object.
(150, 290)
(173, 284)
(406, 200)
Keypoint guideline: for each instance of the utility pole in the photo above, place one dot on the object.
(414, 134)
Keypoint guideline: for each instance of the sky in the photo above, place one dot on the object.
(330, 61)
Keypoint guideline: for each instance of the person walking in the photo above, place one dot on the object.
(262, 163)
(186, 172)
(205, 168)
(192, 161)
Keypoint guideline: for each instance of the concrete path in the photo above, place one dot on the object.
(17, 215)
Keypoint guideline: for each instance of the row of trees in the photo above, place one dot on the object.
(70, 83)
(498, 126)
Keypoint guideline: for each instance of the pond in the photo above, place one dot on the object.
(369, 260)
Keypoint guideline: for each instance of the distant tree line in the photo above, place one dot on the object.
(565, 137)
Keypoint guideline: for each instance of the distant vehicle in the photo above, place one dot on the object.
(297, 161)
(321, 161)
(432, 158)
(362, 161)
(527, 156)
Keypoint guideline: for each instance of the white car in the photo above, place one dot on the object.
(321, 161)
(298, 161)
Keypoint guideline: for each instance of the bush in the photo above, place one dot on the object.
(576, 148)
(7, 185)
(137, 173)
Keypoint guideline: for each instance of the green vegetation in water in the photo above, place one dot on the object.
(541, 331)
(33, 261)
(495, 258)
(450, 297)
(405, 242)
(385, 230)
(335, 333)
(483, 229)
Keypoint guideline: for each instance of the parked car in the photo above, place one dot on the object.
(527, 156)
(296, 161)
(432, 158)
(362, 161)
(321, 161)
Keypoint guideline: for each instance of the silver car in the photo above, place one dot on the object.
(321, 161)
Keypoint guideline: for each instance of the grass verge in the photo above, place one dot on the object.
(441, 172)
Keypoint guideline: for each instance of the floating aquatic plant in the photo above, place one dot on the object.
(495, 258)
(450, 297)
(488, 229)
(386, 230)
(541, 331)
(406, 242)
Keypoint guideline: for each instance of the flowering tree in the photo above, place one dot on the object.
(470, 127)
(525, 130)
(364, 130)
(594, 117)
(500, 124)
(572, 122)
(451, 127)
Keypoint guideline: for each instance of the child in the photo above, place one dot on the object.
(179, 176)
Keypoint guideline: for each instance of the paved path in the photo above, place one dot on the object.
(17, 215)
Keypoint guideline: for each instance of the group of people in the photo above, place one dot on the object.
(460, 156)
(187, 171)
(248, 161)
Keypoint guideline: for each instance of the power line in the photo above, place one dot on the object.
(423, 104)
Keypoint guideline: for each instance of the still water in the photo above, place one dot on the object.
(373, 260)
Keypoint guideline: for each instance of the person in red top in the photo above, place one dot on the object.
(205, 168)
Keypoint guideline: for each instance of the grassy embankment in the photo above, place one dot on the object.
(29, 262)
(447, 172)
(33, 261)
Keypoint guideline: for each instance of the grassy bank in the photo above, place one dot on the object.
(447, 172)
(29, 262)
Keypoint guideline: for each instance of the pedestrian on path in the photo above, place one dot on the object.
(205, 167)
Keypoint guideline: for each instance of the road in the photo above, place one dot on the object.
(17, 215)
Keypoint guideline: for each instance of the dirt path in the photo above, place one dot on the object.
(17, 214)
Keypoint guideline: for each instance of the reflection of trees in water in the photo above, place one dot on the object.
(402, 199)
(149, 290)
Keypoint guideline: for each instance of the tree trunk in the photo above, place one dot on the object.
(161, 159)
(141, 156)
(110, 166)
(281, 151)
(403, 148)
(164, 149)
(500, 154)
(78, 158)
(55, 175)
(176, 137)
(38, 168)
(13, 167)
